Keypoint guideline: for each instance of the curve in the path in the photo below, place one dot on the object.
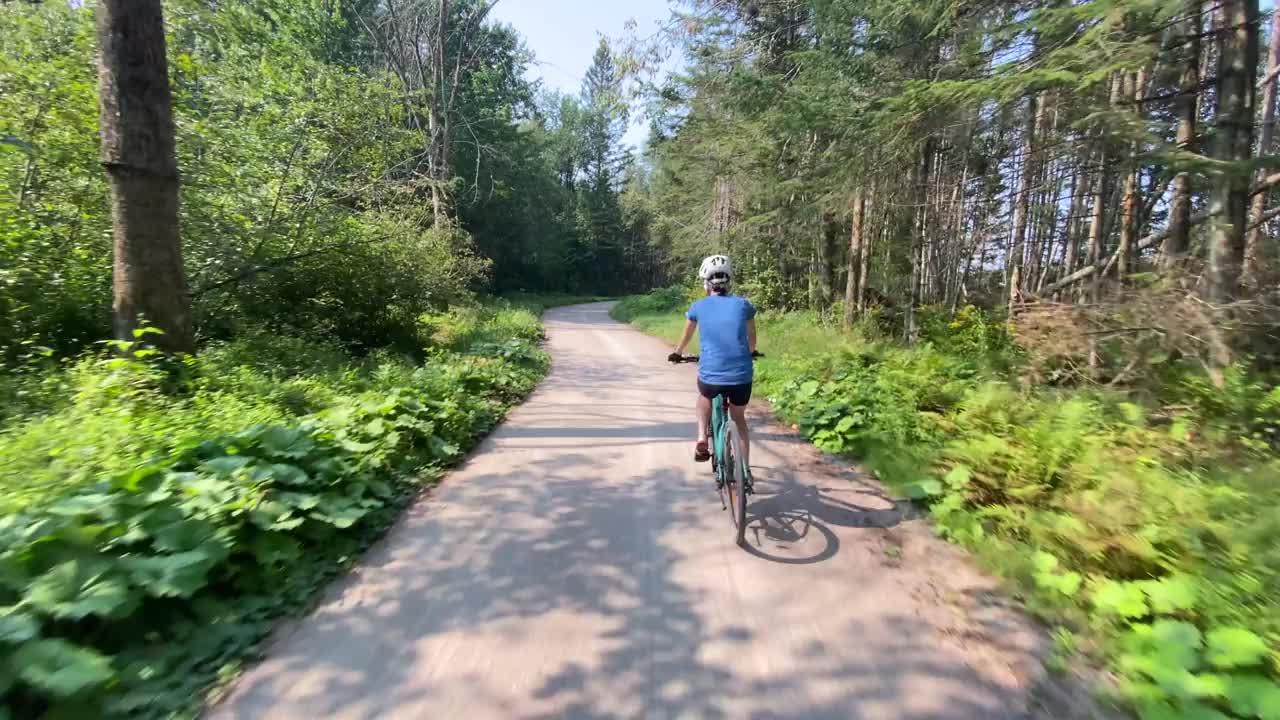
(579, 566)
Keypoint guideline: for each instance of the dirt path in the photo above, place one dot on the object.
(580, 566)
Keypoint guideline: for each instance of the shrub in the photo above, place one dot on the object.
(1150, 530)
(657, 302)
(152, 532)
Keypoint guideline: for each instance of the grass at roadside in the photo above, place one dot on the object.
(159, 516)
(537, 302)
(1148, 534)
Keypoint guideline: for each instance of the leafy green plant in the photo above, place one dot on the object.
(1149, 536)
(131, 585)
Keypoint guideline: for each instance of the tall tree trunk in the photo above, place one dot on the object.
(1071, 235)
(137, 151)
(1136, 88)
(1097, 219)
(853, 268)
(918, 234)
(1237, 63)
(1178, 240)
(864, 269)
(1022, 202)
(826, 244)
(1253, 249)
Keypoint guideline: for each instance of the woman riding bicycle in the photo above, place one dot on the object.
(728, 341)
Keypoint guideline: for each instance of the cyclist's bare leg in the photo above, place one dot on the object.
(739, 415)
(704, 417)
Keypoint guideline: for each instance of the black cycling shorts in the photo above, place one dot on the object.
(738, 394)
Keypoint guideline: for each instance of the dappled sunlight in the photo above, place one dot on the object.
(579, 565)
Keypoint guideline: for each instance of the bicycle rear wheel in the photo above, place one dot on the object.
(735, 482)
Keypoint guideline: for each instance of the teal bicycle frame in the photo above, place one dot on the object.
(733, 476)
(720, 438)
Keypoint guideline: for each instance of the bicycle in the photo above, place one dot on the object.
(733, 475)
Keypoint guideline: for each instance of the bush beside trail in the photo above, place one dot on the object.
(160, 517)
(1142, 525)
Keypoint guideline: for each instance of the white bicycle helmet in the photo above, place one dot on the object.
(715, 272)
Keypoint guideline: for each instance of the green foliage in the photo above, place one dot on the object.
(190, 517)
(1154, 537)
(301, 207)
(657, 302)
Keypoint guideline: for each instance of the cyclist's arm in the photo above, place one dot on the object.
(689, 327)
(751, 335)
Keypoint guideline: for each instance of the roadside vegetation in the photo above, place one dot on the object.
(157, 519)
(251, 306)
(1143, 523)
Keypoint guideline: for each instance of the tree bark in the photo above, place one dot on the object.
(1129, 205)
(853, 280)
(1070, 236)
(137, 131)
(1178, 240)
(1022, 203)
(1237, 63)
(1097, 216)
(918, 235)
(826, 244)
(1253, 249)
(864, 263)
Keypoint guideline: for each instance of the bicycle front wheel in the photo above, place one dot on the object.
(735, 482)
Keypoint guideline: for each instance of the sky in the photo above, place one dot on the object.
(563, 35)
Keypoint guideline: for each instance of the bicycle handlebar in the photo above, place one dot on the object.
(677, 359)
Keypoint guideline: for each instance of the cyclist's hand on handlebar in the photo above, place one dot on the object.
(675, 357)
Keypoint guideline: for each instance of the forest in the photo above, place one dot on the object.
(1017, 258)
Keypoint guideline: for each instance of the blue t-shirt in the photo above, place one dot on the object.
(722, 332)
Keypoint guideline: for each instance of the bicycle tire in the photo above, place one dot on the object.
(735, 482)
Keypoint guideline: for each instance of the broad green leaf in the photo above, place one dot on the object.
(285, 442)
(287, 523)
(1116, 598)
(172, 575)
(1179, 641)
(845, 424)
(1166, 651)
(924, 489)
(958, 477)
(1044, 562)
(1067, 583)
(76, 589)
(1234, 647)
(225, 464)
(183, 535)
(61, 668)
(1254, 696)
(1170, 595)
(299, 501)
(17, 626)
(340, 518)
(809, 388)
(288, 474)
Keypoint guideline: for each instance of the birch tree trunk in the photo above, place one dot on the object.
(852, 284)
